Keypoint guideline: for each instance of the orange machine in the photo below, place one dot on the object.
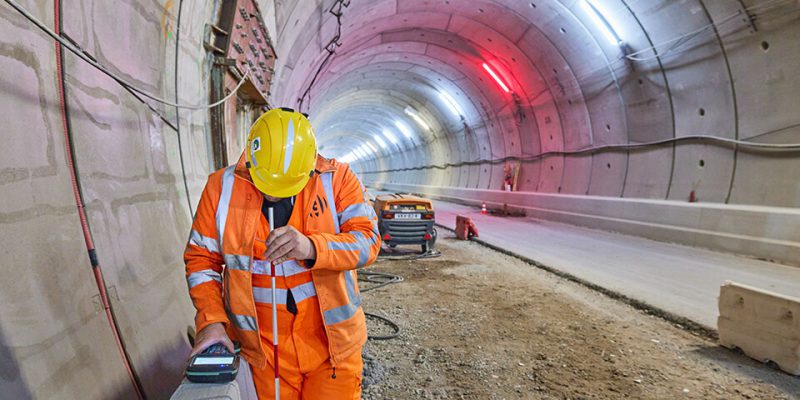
(406, 219)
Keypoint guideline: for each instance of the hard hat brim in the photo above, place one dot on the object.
(282, 192)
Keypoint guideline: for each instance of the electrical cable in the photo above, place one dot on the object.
(744, 145)
(387, 321)
(684, 38)
(80, 53)
(381, 279)
(763, 8)
(330, 48)
(79, 203)
(178, 110)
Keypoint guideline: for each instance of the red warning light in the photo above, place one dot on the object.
(495, 77)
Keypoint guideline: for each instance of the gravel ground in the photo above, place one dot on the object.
(478, 324)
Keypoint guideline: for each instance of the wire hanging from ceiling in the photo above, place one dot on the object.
(337, 9)
(83, 55)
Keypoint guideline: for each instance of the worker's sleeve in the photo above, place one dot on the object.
(359, 242)
(204, 260)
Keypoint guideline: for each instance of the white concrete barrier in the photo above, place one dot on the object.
(240, 389)
(769, 233)
(764, 325)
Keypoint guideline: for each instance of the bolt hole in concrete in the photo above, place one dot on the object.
(533, 5)
(765, 46)
(563, 30)
(608, 128)
(702, 163)
(608, 165)
(702, 112)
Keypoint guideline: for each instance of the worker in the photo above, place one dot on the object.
(325, 229)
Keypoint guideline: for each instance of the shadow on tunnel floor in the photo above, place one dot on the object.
(737, 361)
(12, 383)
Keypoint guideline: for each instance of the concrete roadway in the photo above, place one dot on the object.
(682, 280)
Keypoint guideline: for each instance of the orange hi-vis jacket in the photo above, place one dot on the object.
(334, 212)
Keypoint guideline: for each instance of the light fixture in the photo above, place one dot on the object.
(359, 153)
(372, 149)
(496, 78)
(451, 103)
(403, 128)
(415, 116)
(392, 138)
(601, 22)
(380, 141)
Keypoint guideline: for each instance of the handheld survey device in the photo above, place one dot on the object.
(214, 365)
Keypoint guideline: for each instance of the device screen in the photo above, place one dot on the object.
(212, 360)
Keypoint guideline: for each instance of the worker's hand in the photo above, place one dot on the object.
(287, 242)
(211, 335)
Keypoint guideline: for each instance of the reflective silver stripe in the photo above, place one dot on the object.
(235, 261)
(363, 245)
(327, 183)
(210, 244)
(354, 211)
(299, 293)
(303, 292)
(366, 245)
(286, 268)
(288, 149)
(206, 275)
(343, 313)
(243, 322)
(224, 203)
(264, 295)
(349, 283)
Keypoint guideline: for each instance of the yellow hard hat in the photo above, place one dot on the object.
(281, 152)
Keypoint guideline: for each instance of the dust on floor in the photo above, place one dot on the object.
(478, 324)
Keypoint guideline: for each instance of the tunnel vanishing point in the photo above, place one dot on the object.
(676, 121)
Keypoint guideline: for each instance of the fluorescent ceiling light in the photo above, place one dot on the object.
(370, 147)
(451, 103)
(495, 77)
(359, 153)
(403, 128)
(392, 138)
(602, 23)
(380, 141)
(414, 115)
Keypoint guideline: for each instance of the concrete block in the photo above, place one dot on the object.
(764, 325)
(212, 391)
(465, 228)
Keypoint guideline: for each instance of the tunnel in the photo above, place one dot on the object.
(670, 122)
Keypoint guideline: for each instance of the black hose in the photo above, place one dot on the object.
(387, 321)
(381, 279)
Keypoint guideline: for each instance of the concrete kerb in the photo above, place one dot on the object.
(680, 321)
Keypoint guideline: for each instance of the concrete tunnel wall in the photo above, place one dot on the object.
(715, 68)
(571, 93)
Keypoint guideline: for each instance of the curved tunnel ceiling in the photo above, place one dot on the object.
(570, 87)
